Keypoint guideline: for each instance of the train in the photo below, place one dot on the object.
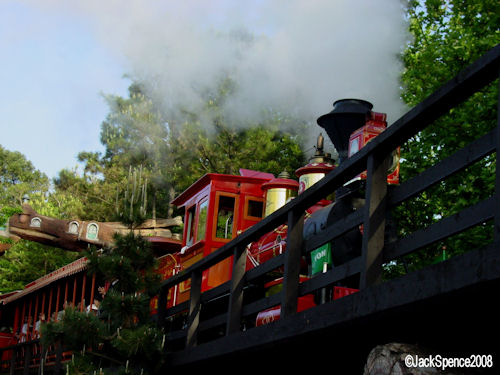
(217, 208)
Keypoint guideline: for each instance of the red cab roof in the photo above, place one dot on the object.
(209, 177)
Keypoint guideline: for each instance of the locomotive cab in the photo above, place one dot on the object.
(217, 208)
(374, 126)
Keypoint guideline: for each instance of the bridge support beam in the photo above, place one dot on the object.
(374, 220)
(194, 309)
(294, 241)
(236, 296)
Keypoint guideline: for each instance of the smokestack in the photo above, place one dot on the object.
(347, 116)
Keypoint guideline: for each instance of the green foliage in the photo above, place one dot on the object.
(18, 177)
(96, 195)
(122, 334)
(262, 147)
(448, 36)
(80, 364)
(26, 261)
(77, 329)
(174, 151)
(6, 212)
(137, 343)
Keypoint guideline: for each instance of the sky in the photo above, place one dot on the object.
(59, 57)
(53, 71)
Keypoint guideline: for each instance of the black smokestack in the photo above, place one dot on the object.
(347, 116)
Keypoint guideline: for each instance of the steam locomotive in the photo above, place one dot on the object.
(218, 207)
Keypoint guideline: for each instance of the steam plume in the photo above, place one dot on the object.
(295, 56)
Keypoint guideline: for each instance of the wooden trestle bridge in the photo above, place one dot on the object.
(450, 308)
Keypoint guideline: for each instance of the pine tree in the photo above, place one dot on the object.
(121, 337)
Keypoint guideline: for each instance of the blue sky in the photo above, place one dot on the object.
(53, 71)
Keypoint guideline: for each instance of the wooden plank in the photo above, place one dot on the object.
(194, 310)
(213, 322)
(13, 360)
(216, 292)
(476, 269)
(328, 278)
(444, 228)
(374, 220)
(262, 304)
(455, 163)
(176, 335)
(292, 263)
(58, 364)
(28, 350)
(162, 307)
(336, 230)
(184, 306)
(265, 267)
(236, 296)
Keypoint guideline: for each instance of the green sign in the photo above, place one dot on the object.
(319, 257)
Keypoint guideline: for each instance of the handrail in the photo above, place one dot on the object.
(467, 82)
(372, 158)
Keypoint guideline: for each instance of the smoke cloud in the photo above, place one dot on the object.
(294, 56)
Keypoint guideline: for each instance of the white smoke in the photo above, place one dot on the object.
(294, 56)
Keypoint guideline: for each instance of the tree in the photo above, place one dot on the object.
(175, 151)
(448, 35)
(207, 142)
(121, 338)
(18, 177)
(26, 261)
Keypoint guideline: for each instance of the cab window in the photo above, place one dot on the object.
(202, 221)
(225, 217)
(254, 208)
(190, 226)
(353, 146)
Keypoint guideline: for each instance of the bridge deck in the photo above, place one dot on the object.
(448, 306)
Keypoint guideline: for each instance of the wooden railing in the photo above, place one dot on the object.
(29, 357)
(375, 252)
(374, 158)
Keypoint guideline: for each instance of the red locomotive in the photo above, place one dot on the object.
(218, 207)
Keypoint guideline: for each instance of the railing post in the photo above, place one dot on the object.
(13, 360)
(58, 364)
(374, 220)
(28, 350)
(293, 254)
(194, 309)
(162, 306)
(236, 296)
